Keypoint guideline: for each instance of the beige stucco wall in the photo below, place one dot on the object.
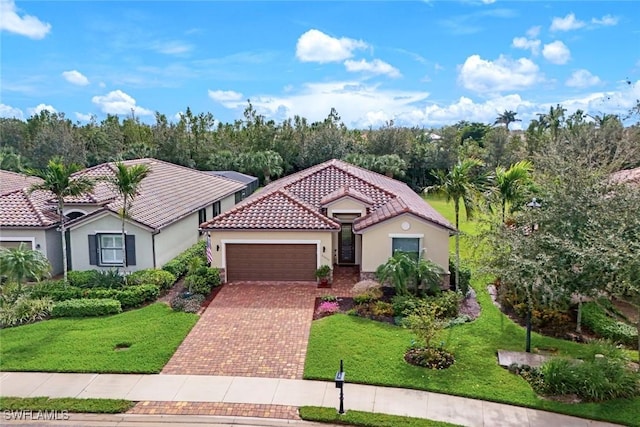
(110, 224)
(49, 241)
(177, 238)
(346, 205)
(376, 241)
(321, 238)
(227, 203)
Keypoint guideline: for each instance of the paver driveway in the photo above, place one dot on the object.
(254, 329)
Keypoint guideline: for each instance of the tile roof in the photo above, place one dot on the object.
(319, 184)
(169, 193)
(236, 176)
(12, 181)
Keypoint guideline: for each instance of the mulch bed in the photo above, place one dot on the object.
(179, 288)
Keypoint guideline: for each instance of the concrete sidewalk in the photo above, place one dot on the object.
(198, 388)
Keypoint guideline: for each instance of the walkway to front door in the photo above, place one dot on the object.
(255, 329)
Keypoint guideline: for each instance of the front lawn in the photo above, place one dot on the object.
(70, 405)
(148, 336)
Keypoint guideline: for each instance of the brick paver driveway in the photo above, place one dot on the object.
(253, 329)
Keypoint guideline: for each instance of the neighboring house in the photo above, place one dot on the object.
(331, 213)
(163, 221)
(251, 182)
(28, 218)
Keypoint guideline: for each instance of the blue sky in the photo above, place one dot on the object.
(427, 64)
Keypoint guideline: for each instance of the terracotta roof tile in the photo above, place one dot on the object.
(327, 182)
(21, 209)
(12, 181)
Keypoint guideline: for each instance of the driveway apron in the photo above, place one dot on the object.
(250, 329)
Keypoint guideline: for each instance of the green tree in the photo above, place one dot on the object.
(57, 178)
(20, 264)
(506, 118)
(404, 270)
(390, 165)
(268, 163)
(510, 185)
(126, 181)
(464, 184)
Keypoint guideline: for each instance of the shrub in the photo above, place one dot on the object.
(381, 308)
(129, 297)
(25, 310)
(329, 298)
(11, 292)
(464, 275)
(110, 279)
(202, 280)
(180, 264)
(190, 304)
(368, 296)
(596, 319)
(425, 324)
(432, 358)
(403, 305)
(328, 307)
(86, 308)
(459, 320)
(57, 290)
(445, 304)
(594, 380)
(161, 278)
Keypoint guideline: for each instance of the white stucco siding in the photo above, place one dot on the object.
(176, 238)
(109, 224)
(377, 241)
(46, 241)
(227, 203)
(346, 205)
(321, 238)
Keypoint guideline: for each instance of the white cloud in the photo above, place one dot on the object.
(503, 74)
(172, 47)
(374, 67)
(488, 1)
(606, 20)
(567, 23)
(39, 108)
(527, 44)
(316, 46)
(83, 117)
(11, 112)
(118, 102)
(225, 95)
(582, 78)
(534, 32)
(75, 77)
(556, 52)
(25, 25)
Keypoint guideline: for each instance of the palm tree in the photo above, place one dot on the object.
(19, 264)
(57, 179)
(390, 164)
(510, 184)
(126, 181)
(506, 118)
(462, 183)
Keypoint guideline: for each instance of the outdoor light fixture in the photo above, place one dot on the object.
(217, 248)
(324, 249)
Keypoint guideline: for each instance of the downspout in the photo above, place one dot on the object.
(153, 247)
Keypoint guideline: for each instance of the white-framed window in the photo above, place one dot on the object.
(110, 249)
(410, 245)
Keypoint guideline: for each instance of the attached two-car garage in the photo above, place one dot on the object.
(270, 262)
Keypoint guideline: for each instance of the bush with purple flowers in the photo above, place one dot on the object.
(327, 308)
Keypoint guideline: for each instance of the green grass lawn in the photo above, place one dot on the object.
(365, 419)
(94, 406)
(88, 345)
(373, 354)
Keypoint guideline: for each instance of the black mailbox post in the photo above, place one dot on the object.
(340, 385)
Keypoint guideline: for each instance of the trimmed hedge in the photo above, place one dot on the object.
(161, 278)
(86, 308)
(57, 290)
(180, 264)
(110, 279)
(129, 297)
(596, 319)
(203, 280)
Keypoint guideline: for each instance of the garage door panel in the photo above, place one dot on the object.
(270, 262)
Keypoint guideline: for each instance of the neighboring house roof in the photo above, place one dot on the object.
(321, 184)
(628, 176)
(12, 181)
(169, 193)
(236, 176)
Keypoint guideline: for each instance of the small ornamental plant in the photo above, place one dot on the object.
(327, 308)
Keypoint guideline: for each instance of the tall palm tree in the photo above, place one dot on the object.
(126, 181)
(463, 183)
(390, 164)
(58, 180)
(506, 118)
(510, 184)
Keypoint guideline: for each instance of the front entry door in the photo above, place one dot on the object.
(346, 245)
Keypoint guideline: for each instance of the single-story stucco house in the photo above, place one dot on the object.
(333, 213)
(172, 201)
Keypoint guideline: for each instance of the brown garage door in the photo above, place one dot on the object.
(271, 262)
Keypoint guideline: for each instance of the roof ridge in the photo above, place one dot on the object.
(308, 207)
(39, 213)
(243, 204)
(342, 165)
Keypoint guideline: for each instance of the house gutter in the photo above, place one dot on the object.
(153, 246)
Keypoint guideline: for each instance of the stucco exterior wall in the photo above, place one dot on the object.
(49, 241)
(321, 238)
(110, 224)
(346, 205)
(177, 238)
(227, 203)
(377, 241)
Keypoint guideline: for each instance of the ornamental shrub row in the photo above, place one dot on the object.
(180, 264)
(161, 278)
(595, 318)
(129, 297)
(86, 308)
